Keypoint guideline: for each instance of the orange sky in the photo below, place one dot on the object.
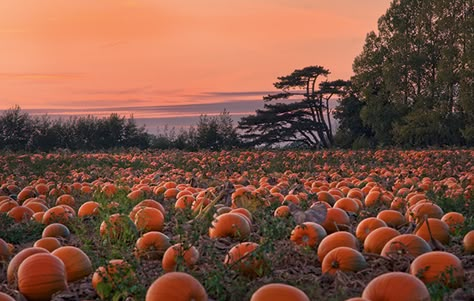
(166, 57)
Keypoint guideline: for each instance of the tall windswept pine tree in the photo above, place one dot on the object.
(301, 116)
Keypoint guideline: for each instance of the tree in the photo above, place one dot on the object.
(350, 127)
(16, 129)
(303, 115)
(417, 71)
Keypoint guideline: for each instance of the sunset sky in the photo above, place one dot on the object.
(168, 58)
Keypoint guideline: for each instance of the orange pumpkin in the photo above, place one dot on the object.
(5, 297)
(392, 218)
(176, 254)
(57, 214)
(242, 257)
(343, 259)
(454, 220)
(4, 251)
(282, 211)
(56, 230)
(308, 234)
(149, 219)
(325, 196)
(437, 266)
(421, 210)
(14, 264)
(48, 243)
(396, 286)
(368, 225)
(334, 218)
(335, 240)
(112, 274)
(376, 240)
(176, 286)
(117, 226)
(347, 204)
(77, 263)
(468, 242)
(152, 245)
(405, 245)
(245, 212)
(439, 230)
(230, 225)
(40, 276)
(89, 208)
(66, 199)
(279, 292)
(20, 213)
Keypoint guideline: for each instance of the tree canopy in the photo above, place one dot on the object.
(302, 114)
(416, 75)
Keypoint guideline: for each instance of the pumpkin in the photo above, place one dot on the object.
(245, 212)
(376, 240)
(77, 263)
(4, 251)
(308, 234)
(40, 276)
(56, 230)
(421, 210)
(405, 245)
(89, 208)
(373, 198)
(454, 220)
(368, 225)
(151, 203)
(438, 266)
(26, 193)
(176, 254)
(468, 242)
(396, 286)
(176, 286)
(42, 188)
(439, 230)
(335, 240)
(230, 225)
(152, 245)
(347, 204)
(36, 206)
(117, 226)
(14, 264)
(334, 218)
(20, 213)
(116, 271)
(242, 257)
(48, 243)
(355, 193)
(5, 297)
(57, 214)
(170, 193)
(7, 205)
(66, 199)
(343, 259)
(149, 219)
(184, 201)
(279, 292)
(282, 211)
(324, 196)
(392, 218)
(38, 217)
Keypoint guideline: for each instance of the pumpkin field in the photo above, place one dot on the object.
(238, 225)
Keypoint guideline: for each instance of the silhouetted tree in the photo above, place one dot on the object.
(303, 116)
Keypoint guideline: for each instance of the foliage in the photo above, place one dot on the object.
(415, 76)
(303, 116)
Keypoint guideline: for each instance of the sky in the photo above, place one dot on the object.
(170, 58)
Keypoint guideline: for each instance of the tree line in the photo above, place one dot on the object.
(20, 131)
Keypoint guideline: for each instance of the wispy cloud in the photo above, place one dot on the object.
(41, 76)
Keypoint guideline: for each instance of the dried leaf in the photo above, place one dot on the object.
(316, 213)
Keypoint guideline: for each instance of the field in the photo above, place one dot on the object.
(196, 200)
